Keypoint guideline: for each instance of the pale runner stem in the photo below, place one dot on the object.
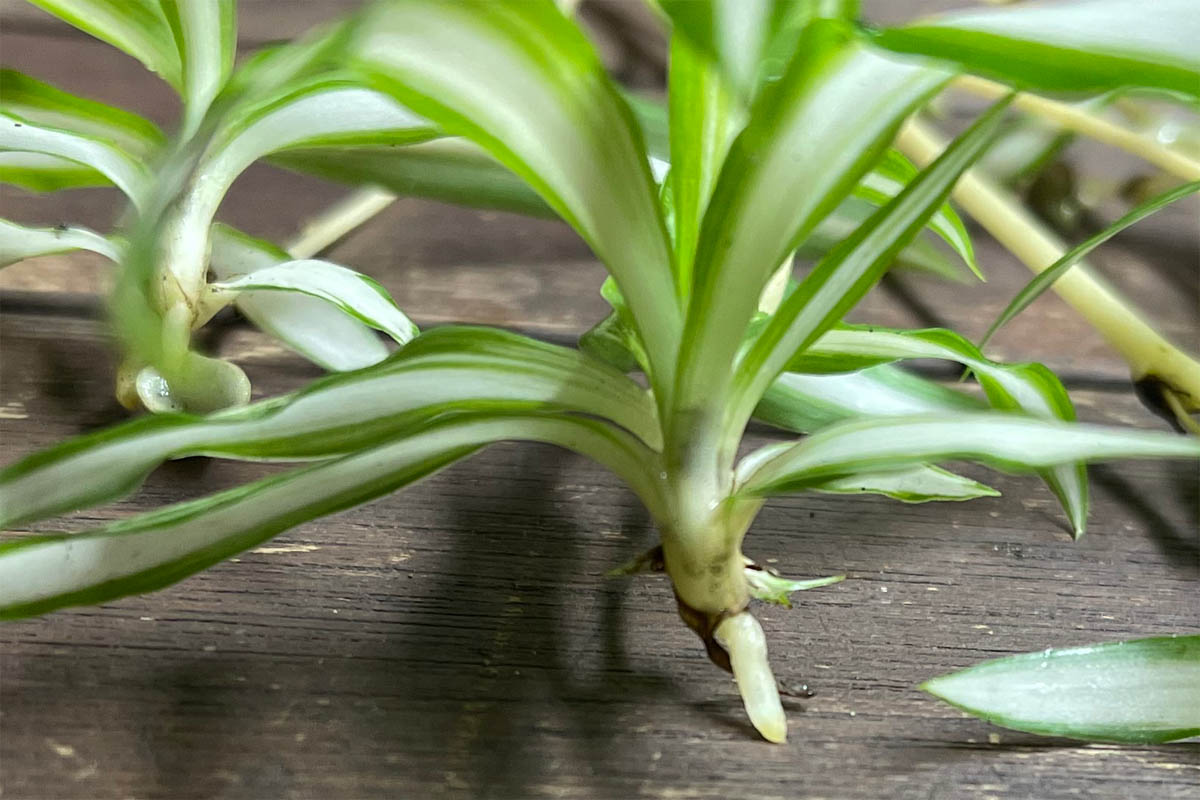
(1148, 354)
(1074, 118)
(742, 637)
(338, 220)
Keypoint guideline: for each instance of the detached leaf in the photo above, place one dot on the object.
(1004, 441)
(354, 293)
(44, 572)
(1087, 45)
(1140, 691)
(137, 27)
(18, 242)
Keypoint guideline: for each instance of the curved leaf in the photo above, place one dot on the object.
(137, 27)
(1046, 278)
(205, 36)
(1138, 691)
(1005, 441)
(919, 484)
(17, 133)
(38, 172)
(18, 242)
(44, 572)
(443, 371)
(534, 94)
(1085, 45)
(47, 105)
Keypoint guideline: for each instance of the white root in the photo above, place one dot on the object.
(742, 637)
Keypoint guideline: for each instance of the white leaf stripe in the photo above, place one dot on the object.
(312, 327)
(1002, 440)
(355, 294)
(447, 370)
(534, 94)
(919, 484)
(39, 172)
(812, 137)
(206, 37)
(41, 573)
(18, 242)
(106, 158)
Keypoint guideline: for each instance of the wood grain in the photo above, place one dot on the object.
(459, 640)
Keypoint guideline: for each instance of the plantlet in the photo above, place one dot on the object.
(768, 136)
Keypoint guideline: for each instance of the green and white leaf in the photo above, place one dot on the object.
(314, 328)
(1139, 691)
(1087, 45)
(812, 137)
(18, 242)
(919, 484)
(119, 167)
(38, 172)
(838, 282)
(43, 572)
(137, 27)
(1005, 441)
(205, 36)
(534, 94)
(350, 291)
(43, 104)
(443, 371)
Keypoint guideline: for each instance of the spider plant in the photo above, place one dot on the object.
(770, 132)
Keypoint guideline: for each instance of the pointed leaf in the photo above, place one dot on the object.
(44, 572)
(1139, 691)
(919, 484)
(534, 94)
(354, 293)
(1004, 441)
(1045, 279)
(1087, 45)
(137, 27)
(443, 371)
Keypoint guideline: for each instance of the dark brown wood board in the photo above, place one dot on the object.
(460, 640)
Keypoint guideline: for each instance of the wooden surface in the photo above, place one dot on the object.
(459, 640)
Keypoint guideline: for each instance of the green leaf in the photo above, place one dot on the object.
(750, 41)
(1140, 691)
(355, 294)
(44, 572)
(889, 177)
(811, 137)
(18, 242)
(205, 36)
(312, 327)
(1030, 388)
(38, 172)
(137, 27)
(919, 484)
(765, 585)
(534, 94)
(1045, 279)
(838, 282)
(443, 371)
(1090, 45)
(1004, 441)
(705, 118)
(449, 170)
(47, 105)
(123, 169)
